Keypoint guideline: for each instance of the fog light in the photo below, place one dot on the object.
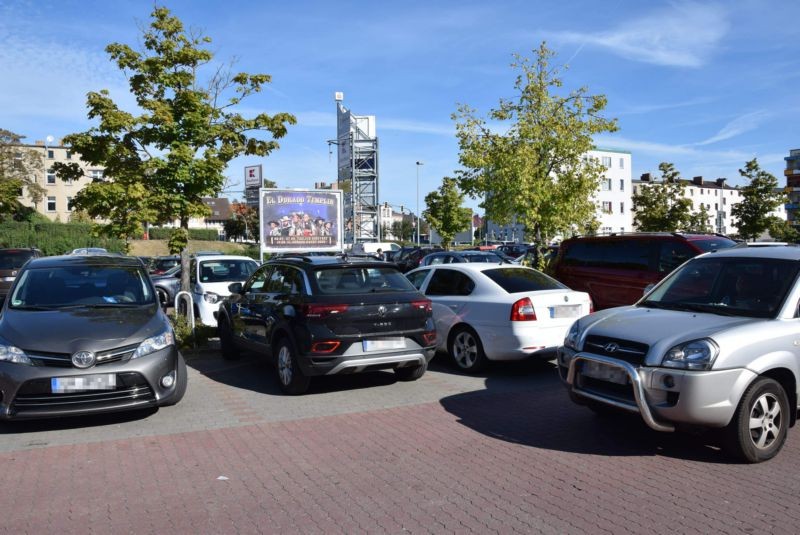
(669, 381)
(168, 380)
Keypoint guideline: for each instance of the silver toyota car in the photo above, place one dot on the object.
(716, 344)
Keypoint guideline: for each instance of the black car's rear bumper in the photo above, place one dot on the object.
(356, 361)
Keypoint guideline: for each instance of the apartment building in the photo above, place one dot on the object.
(612, 199)
(792, 174)
(58, 196)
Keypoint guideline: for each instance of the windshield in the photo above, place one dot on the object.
(750, 287)
(14, 259)
(226, 270)
(59, 287)
(354, 280)
(520, 279)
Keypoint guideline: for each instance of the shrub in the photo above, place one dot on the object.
(55, 238)
(164, 233)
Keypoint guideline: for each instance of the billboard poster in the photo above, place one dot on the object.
(294, 220)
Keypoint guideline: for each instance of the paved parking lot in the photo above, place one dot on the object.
(503, 452)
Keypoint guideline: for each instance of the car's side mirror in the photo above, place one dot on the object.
(235, 287)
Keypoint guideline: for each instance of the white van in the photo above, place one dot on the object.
(372, 247)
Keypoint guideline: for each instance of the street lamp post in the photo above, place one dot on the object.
(418, 228)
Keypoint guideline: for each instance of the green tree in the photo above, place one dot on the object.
(760, 197)
(403, 229)
(782, 230)
(444, 212)
(662, 207)
(700, 221)
(162, 161)
(18, 168)
(527, 158)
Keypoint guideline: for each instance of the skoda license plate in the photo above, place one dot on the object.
(384, 343)
(604, 372)
(565, 311)
(97, 381)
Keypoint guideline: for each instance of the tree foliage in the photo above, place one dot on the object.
(662, 207)
(18, 169)
(163, 159)
(445, 213)
(700, 221)
(760, 197)
(403, 230)
(527, 157)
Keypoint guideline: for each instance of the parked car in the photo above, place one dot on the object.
(409, 258)
(84, 334)
(460, 257)
(89, 251)
(164, 263)
(513, 250)
(167, 285)
(714, 345)
(616, 269)
(209, 279)
(324, 316)
(487, 311)
(11, 261)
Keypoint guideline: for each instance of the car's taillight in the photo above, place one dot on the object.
(522, 310)
(325, 347)
(429, 337)
(424, 304)
(313, 310)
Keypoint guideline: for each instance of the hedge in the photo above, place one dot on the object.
(163, 233)
(55, 238)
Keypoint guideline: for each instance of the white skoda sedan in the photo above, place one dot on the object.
(498, 311)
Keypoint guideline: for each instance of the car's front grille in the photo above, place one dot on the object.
(37, 396)
(633, 352)
(64, 360)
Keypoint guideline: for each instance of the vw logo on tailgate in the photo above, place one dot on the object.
(381, 311)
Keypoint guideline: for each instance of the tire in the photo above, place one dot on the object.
(226, 342)
(290, 376)
(466, 350)
(181, 382)
(759, 427)
(411, 374)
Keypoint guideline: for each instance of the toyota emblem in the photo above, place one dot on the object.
(611, 347)
(381, 311)
(83, 359)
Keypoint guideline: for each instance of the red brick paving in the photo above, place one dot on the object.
(513, 462)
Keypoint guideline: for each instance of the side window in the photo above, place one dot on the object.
(449, 282)
(672, 255)
(418, 278)
(293, 282)
(628, 254)
(275, 280)
(436, 260)
(257, 281)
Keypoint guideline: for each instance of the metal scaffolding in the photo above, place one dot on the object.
(358, 174)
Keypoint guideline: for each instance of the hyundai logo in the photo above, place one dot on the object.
(381, 311)
(611, 347)
(83, 359)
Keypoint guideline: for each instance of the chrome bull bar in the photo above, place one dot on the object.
(636, 381)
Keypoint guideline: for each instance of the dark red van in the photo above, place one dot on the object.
(616, 269)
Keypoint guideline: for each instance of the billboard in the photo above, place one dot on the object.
(294, 220)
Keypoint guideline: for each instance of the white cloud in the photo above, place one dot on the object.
(682, 35)
(739, 125)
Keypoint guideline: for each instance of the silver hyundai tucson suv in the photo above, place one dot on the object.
(716, 344)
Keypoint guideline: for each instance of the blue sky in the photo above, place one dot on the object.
(704, 85)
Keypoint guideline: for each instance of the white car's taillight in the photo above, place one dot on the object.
(522, 310)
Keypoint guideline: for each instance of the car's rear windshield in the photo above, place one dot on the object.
(361, 279)
(515, 280)
(14, 259)
(712, 244)
(486, 258)
(58, 287)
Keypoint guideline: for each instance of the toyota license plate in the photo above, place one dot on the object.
(604, 372)
(384, 343)
(97, 381)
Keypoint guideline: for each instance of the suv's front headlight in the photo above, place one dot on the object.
(9, 353)
(573, 335)
(155, 343)
(693, 355)
(211, 297)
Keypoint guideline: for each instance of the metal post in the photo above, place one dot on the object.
(418, 228)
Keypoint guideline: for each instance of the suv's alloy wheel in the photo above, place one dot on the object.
(290, 376)
(759, 427)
